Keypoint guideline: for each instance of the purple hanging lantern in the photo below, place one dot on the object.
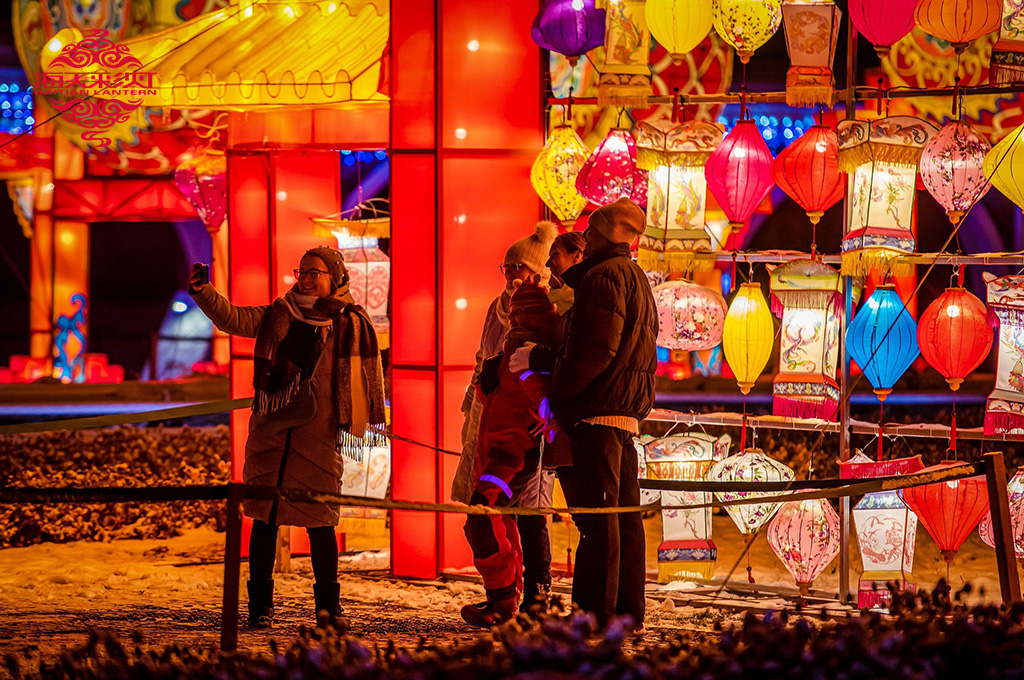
(569, 27)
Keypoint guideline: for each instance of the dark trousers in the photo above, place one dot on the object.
(323, 552)
(611, 568)
(533, 535)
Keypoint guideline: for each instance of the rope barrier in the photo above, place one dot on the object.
(94, 422)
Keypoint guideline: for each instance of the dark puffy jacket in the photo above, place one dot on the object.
(606, 365)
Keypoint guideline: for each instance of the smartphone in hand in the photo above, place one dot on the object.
(204, 274)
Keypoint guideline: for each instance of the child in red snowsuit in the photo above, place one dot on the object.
(514, 417)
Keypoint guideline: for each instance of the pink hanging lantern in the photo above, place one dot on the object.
(611, 172)
(203, 180)
(805, 535)
(739, 172)
(951, 168)
(1015, 496)
(690, 317)
(882, 22)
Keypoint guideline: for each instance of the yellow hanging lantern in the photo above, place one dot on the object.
(748, 335)
(553, 175)
(746, 24)
(812, 30)
(1004, 166)
(679, 25)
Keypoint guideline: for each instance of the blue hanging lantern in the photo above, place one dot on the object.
(882, 339)
(569, 27)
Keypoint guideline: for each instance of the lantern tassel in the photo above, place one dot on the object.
(804, 96)
(817, 407)
(1001, 423)
(861, 261)
(881, 437)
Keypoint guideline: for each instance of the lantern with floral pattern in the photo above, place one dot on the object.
(1004, 410)
(752, 465)
(691, 317)
(554, 173)
(611, 172)
(746, 24)
(805, 535)
(1015, 497)
(952, 168)
(626, 76)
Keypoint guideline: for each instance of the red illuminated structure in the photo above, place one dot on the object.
(808, 171)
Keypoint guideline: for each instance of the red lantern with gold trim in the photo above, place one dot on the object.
(739, 172)
(808, 171)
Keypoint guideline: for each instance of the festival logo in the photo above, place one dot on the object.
(94, 83)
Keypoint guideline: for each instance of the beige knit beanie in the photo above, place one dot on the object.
(533, 250)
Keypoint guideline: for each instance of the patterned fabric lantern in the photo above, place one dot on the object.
(1007, 64)
(1015, 497)
(673, 156)
(1004, 410)
(812, 30)
(882, 339)
(748, 335)
(554, 173)
(951, 168)
(739, 172)
(687, 549)
(626, 77)
(954, 335)
(808, 171)
(958, 22)
(949, 511)
(1004, 166)
(805, 535)
(746, 24)
(881, 158)
(611, 173)
(679, 25)
(690, 317)
(752, 465)
(203, 180)
(886, 530)
(883, 22)
(807, 295)
(569, 27)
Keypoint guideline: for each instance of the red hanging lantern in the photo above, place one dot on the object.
(949, 511)
(883, 22)
(739, 172)
(954, 335)
(611, 172)
(808, 171)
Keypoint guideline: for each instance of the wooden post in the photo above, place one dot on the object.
(232, 570)
(1002, 534)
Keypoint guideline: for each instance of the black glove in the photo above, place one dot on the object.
(490, 374)
(542, 359)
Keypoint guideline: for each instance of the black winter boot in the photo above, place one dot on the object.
(261, 603)
(326, 597)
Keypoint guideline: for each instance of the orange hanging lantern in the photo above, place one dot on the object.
(808, 171)
(954, 336)
(739, 172)
(949, 511)
(812, 31)
(959, 22)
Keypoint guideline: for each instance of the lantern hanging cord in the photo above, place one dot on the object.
(881, 430)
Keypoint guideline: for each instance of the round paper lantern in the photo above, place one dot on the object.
(882, 339)
(750, 466)
(748, 335)
(808, 171)
(611, 173)
(569, 27)
(882, 22)
(203, 180)
(746, 24)
(739, 172)
(954, 335)
(1004, 166)
(958, 22)
(554, 173)
(949, 511)
(1015, 496)
(952, 168)
(690, 317)
(805, 535)
(679, 25)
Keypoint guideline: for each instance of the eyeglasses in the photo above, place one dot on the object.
(303, 273)
(514, 268)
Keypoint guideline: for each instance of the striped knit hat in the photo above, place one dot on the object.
(533, 299)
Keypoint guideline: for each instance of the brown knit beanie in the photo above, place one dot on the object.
(334, 261)
(533, 250)
(619, 222)
(533, 299)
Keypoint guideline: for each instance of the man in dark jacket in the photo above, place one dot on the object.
(603, 386)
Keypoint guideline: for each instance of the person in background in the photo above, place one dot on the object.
(319, 391)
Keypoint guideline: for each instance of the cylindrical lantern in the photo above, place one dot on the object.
(881, 158)
(368, 267)
(808, 171)
(1006, 67)
(1004, 166)
(626, 76)
(952, 168)
(554, 173)
(203, 180)
(958, 22)
(748, 335)
(882, 339)
(812, 30)
(752, 465)
(949, 511)
(886, 530)
(569, 27)
(739, 172)
(611, 172)
(805, 535)
(679, 25)
(746, 24)
(954, 336)
(690, 317)
(807, 295)
(882, 22)
(674, 156)
(1015, 497)
(1004, 410)
(687, 550)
